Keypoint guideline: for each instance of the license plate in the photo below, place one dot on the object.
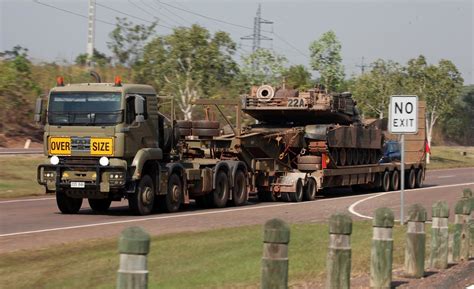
(78, 185)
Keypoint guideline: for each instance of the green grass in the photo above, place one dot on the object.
(224, 258)
(443, 157)
(18, 176)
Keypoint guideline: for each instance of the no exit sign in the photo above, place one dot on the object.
(403, 114)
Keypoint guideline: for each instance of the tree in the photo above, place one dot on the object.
(297, 76)
(189, 63)
(98, 58)
(128, 40)
(373, 89)
(264, 67)
(326, 59)
(461, 117)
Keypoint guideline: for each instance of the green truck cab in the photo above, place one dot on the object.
(100, 138)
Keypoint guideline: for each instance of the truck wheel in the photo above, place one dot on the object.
(100, 205)
(395, 181)
(67, 205)
(310, 190)
(207, 124)
(141, 202)
(220, 195)
(174, 194)
(297, 196)
(420, 175)
(411, 179)
(239, 191)
(386, 181)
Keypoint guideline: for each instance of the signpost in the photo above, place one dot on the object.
(403, 119)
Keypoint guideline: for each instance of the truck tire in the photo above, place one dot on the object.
(66, 204)
(385, 181)
(184, 132)
(309, 159)
(395, 181)
(220, 195)
(411, 179)
(184, 124)
(420, 174)
(205, 132)
(297, 196)
(309, 167)
(207, 124)
(239, 191)
(172, 200)
(100, 205)
(310, 190)
(141, 202)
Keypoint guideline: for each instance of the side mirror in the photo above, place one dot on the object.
(38, 110)
(139, 109)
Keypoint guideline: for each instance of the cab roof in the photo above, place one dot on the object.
(106, 87)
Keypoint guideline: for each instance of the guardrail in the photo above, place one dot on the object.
(9, 151)
(134, 244)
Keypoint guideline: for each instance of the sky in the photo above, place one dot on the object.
(369, 30)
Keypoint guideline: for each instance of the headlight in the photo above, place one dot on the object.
(104, 161)
(54, 160)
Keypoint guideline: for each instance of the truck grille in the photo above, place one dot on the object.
(80, 144)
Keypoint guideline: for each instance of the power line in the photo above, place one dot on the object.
(174, 14)
(72, 12)
(146, 12)
(291, 45)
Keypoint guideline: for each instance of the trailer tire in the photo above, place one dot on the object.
(239, 191)
(220, 195)
(100, 205)
(385, 181)
(184, 124)
(265, 196)
(395, 181)
(309, 159)
(310, 190)
(420, 174)
(297, 196)
(142, 201)
(309, 167)
(411, 179)
(174, 194)
(205, 132)
(206, 124)
(66, 204)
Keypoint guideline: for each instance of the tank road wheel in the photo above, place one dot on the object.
(239, 191)
(411, 179)
(342, 157)
(67, 205)
(310, 190)
(297, 196)
(100, 205)
(386, 181)
(335, 155)
(349, 158)
(395, 181)
(142, 201)
(220, 195)
(420, 175)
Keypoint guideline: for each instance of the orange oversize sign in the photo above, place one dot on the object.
(59, 146)
(102, 146)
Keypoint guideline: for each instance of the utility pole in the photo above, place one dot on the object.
(90, 32)
(362, 65)
(257, 36)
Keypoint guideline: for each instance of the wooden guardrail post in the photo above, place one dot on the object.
(415, 244)
(276, 236)
(461, 230)
(339, 255)
(134, 246)
(467, 194)
(439, 235)
(381, 256)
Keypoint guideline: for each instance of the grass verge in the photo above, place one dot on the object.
(224, 258)
(443, 157)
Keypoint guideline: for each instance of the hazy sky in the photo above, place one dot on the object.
(396, 30)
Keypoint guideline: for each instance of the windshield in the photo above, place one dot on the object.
(85, 108)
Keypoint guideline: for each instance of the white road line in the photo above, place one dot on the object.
(353, 205)
(26, 200)
(444, 177)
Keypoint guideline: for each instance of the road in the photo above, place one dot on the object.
(19, 151)
(36, 223)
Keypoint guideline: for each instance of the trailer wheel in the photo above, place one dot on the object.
(141, 202)
(342, 157)
(100, 205)
(411, 180)
(310, 190)
(265, 196)
(239, 191)
(220, 195)
(420, 174)
(395, 181)
(174, 194)
(386, 181)
(66, 204)
(297, 196)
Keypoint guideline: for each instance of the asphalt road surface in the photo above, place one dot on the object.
(36, 222)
